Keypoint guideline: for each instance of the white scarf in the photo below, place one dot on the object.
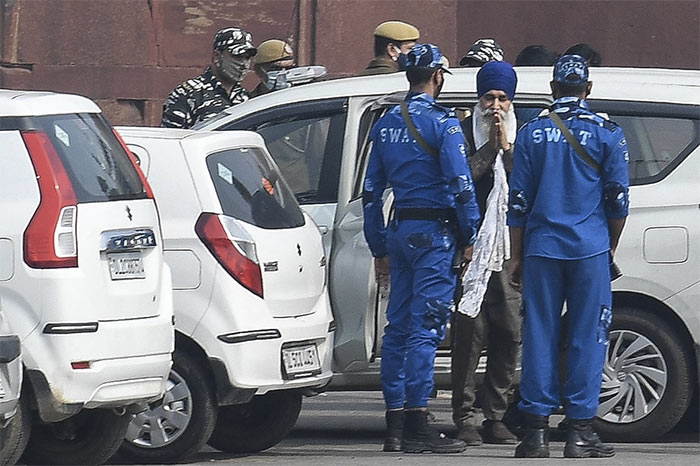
(492, 245)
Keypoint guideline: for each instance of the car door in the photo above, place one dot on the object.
(660, 246)
(306, 141)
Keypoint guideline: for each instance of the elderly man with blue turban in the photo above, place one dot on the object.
(489, 310)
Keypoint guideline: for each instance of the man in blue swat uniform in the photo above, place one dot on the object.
(566, 215)
(435, 216)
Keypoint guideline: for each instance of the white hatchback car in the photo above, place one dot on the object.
(82, 276)
(253, 320)
(318, 135)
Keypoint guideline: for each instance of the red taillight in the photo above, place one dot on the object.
(50, 238)
(244, 270)
(142, 177)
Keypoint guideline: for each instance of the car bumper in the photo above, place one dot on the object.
(122, 363)
(252, 357)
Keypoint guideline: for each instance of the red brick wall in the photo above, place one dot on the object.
(129, 54)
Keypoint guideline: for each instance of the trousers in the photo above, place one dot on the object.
(584, 284)
(420, 303)
(496, 327)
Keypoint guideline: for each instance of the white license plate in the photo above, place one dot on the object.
(301, 361)
(126, 265)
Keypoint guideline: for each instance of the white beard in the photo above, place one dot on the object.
(483, 120)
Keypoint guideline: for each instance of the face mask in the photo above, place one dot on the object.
(401, 59)
(234, 70)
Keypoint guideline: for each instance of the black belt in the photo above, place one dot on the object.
(426, 213)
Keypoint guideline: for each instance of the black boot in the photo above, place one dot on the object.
(419, 437)
(583, 442)
(394, 428)
(535, 443)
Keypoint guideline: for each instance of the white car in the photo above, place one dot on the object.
(82, 276)
(318, 135)
(12, 440)
(253, 320)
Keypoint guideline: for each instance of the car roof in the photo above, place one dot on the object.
(229, 138)
(644, 84)
(38, 103)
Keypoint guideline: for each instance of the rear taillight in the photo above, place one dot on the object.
(233, 249)
(134, 162)
(50, 238)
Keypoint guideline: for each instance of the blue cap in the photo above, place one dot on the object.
(426, 56)
(571, 70)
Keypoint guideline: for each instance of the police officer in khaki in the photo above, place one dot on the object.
(392, 41)
(273, 55)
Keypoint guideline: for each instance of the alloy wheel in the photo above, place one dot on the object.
(634, 378)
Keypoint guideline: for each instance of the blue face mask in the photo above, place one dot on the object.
(402, 60)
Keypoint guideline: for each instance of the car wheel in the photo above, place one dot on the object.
(14, 437)
(178, 425)
(90, 437)
(257, 425)
(646, 379)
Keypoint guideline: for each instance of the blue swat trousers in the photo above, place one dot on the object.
(585, 286)
(422, 288)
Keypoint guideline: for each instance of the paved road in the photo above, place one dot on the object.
(342, 428)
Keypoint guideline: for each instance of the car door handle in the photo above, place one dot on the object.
(323, 229)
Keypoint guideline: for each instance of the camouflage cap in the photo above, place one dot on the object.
(234, 40)
(427, 56)
(397, 30)
(483, 51)
(273, 50)
(571, 70)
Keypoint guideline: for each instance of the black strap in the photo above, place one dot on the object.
(574, 142)
(414, 131)
(426, 213)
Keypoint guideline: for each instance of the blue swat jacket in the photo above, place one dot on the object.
(564, 203)
(418, 179)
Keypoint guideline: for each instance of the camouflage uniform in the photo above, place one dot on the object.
(204, 96)
(197, 99)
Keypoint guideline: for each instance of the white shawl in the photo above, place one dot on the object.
(492, 245)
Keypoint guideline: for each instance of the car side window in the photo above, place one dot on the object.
(655, 143)
(659, 136)
(364, 146)
(306, 143)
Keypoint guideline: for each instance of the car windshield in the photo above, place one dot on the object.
(99, 168)
(251, 189)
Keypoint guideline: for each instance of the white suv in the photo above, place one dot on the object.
(12, 440)
(253, 320)
(82, 276)
(318, 135)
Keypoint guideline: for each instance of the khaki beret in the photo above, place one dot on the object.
(273, 50)
(397, 30)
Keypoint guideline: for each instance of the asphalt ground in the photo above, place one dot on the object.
(342, 428)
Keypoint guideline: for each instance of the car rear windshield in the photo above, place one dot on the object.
(251, 189)
(97, 165)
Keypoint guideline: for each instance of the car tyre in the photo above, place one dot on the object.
(257, 425)
(179, 425)
(14, 437)
(90, 437)
(647, 380)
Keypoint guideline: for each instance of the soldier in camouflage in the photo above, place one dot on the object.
(219, 87)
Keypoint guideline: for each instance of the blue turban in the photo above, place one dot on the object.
(496, 75)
